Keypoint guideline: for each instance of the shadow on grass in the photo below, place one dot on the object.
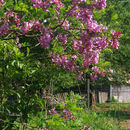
(120, 115)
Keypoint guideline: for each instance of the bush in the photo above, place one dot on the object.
(70, 116)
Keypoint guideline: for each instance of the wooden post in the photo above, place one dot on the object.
(88, 92)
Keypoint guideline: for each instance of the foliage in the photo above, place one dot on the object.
(116, 16)
(44, 45)
(78, 118)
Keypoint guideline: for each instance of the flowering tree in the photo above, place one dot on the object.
(116, 16)
(66, 30)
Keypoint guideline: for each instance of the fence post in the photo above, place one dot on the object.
(88, 92)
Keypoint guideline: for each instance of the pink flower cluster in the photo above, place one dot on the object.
(114, 42)
(65, 113)
(46, 4)
(46, 38)
(1, 2)
(26, 27)
(85, 127)
(66, 25)
(65, 62)
(40, 4)
(4, 29)
(100, 4)
(34, 25)
(62, 38)
(58, 3)
(87, 42)
(53, 111)
(96, 71)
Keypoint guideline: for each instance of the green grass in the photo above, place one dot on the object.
(116, 111)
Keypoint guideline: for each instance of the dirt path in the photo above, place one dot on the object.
(125, 124)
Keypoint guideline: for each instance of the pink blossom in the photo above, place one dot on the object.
(95, 56)
(79, 75)
(93, 77)
(100, 4)
(36, 25)
(102, 73)
(77, 1)
(100, 42)
(66, 112)
(11, 52)
(19, 45)
(74, 57)
(66, 25)
(40, 4)
(58, 3)
(85, 128)
(64, 103)
(77, 44)
(118, 34)
(26, 27)
(53, 111)
(86, 62)
(74, 11)
(46, 39)
(94, 27)
(114, 43)
(1, 2)
(10, 13)
(95, 69)
(85, 15)
(113, 32)
(62, 38)
(37, 1)
(105, 28)
(72, 118)
(4, 29)
(17, 21)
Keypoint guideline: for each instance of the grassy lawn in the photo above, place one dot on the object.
(118, 111)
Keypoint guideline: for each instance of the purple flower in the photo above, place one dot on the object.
(53, 111)
(46, 39)
(63, 38)
(72, 118)
(1, 2)
(102, 73)
(85, 127)
(9, 14)
(74, 57)
(4, 29)
(93, 76)
(105, 28)
(79, 75)
(113, 32)
(114, 43)
(77, 44)
(66, 25)
(95, 69)
(64, 103)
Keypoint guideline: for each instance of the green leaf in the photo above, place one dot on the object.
(114, 16)
(88, 2)
(28, 50)
(1, 70)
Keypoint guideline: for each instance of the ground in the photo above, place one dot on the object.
(120, 112)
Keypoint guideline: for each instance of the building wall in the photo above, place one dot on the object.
(120, 93)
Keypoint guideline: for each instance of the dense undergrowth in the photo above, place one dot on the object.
(71, 114)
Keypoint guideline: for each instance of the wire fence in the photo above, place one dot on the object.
(117, 110)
